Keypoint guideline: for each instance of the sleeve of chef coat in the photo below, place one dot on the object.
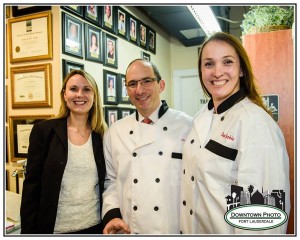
(111, 207)
(263, 161)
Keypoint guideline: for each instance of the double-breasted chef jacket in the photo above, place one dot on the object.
(241, 145)
(143, 171)
(47, 159)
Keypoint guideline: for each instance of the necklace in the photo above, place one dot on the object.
(76, 130)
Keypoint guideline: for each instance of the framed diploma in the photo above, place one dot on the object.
(20, 129)
(30, 37)
(31, 86)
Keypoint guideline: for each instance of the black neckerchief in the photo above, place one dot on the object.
(162, 110)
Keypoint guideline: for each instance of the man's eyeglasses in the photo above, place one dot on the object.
(145, 82)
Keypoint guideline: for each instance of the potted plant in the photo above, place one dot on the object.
(267, 18)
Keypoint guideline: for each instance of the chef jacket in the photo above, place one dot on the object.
(143, 171)
(240, 146)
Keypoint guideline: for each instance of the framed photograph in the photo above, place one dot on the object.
(122, 25)
(110, 51)
(125, 112)
(110, 87)
(123, 96)
(20, 129)
(143, 35)
(93, 43)
(271, 102)
(145, 56)
(31, 86)
(92, 14)
(111, 115)
(74, 9)
(108, 19)
(69, 66)
(30, 9)
(72, 36)
(133, 33)
(152, 40)
(30, 37)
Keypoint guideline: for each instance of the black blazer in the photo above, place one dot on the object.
(47, 159)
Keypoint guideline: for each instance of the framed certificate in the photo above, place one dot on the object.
(20, 129)
(30, 37)
(31, 86)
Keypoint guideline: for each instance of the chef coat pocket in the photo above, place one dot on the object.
(176, 155)
(221, 150)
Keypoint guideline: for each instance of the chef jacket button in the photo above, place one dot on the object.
(157, 180)
(184, 202)
(165, 128)
(192, 141)
(183, 171)
(131, 132)
(135, 180)
(180, 232)
(200, 146)
(192, 178)
(222, 118)
(156, 208)
(134, 154)
(135, 208)
(160, 153)
(191, 212)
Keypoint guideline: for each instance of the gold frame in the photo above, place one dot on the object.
(24, 120)
(13, 46)
(47, 70)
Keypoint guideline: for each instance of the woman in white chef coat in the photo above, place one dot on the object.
(235, 149)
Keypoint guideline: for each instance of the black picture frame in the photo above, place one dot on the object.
(111, 115)
(93, 14)
(133, 33)
(145, 56)
(121, 22)
(110, 87)
(68, 66)
(72, 29)
(110, 52)
(122, 90)
(125, 112)
(25, 10)
(143, 39)
(74, 9)
(93, 44)
(151, 40)
(108, 21)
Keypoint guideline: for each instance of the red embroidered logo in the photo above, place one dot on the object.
(227, 136)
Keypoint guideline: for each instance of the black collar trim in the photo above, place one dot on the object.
(163, 109)
(229, 102)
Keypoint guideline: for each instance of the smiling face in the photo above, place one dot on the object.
(145, 99)
(79, 95)
(221, 70)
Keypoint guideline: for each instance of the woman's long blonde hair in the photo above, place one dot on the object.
(96, 116)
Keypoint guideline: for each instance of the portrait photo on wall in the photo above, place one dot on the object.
(92, 13)
(123, 95)
(151, 40)
(69, 66)
(110, 87)
(121, 19)
(108, 20)
(110, 51)
(72, 36)
(145, 56)
(75, 9)
(271, 102)
(143, 35)
(111, 115)
(133, 33)
(125, 112)
(93, 43)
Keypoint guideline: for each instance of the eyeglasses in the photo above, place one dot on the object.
(145, 82)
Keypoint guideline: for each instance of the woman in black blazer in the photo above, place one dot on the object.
(64, 181)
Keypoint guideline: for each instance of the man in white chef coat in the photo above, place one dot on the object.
(143, 160)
